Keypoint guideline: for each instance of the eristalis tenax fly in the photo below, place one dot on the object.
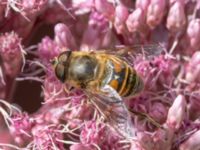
(107, 78)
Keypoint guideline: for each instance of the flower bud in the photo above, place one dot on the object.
(121, 14)
(193, 68)
(136, 21)
(176, 112)
(155, 12)
(106, 8)
(63, 36)
(97, 29)
(11, 53)
(142, 4)
(193, 32)
(176, 19)
(82, 6)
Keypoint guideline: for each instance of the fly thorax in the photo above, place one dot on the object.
(82, 68)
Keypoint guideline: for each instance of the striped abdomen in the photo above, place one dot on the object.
(122, 77)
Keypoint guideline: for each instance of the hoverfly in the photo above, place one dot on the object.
(106, 78)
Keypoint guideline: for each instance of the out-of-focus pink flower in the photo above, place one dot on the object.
(33, 6)
(82, 6)
(171, 2)
(27, 8)
(193, 32)
(121, 14)
(95, 32)
(81, 147)
(136, 21)
(136, 146)
(63, 37)
(105, 7)
(193, 69)
(176, 19)
(6, 138)
(177, 113)
(18, 24)
(143, 4)
(2, 91)
(155, 12)
(57, 11)
(11, 49)
(193, 143)
(127, 3)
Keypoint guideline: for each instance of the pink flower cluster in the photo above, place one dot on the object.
(33, 32)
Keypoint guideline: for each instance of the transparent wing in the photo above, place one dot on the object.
(148, 50)
(112, 107)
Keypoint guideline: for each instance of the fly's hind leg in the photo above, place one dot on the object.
(149, 118)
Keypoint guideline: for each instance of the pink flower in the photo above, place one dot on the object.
(104, 7)
(158, 111)
(143, 4)
(11, 49)
(21, 127)
(80, 147)
(95, 33)
(177, 113)
(164, 115)
(193, 31)
(98, 134)
(155, 12)
(176, 19)
(163, 138)
(47, 137)
(63, 37)
(93, 133)
(48, 49)
(53, 89)
(136, 21)
(121, 14)
(193, 69)
(83, 6)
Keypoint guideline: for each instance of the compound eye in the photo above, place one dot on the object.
(63, 56)
(60, 72)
